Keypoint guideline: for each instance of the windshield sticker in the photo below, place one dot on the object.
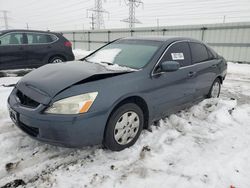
(177, 56)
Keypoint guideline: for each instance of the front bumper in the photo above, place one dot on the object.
(64, 130)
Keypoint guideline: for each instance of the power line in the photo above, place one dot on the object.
(132, 5)
(97, 14)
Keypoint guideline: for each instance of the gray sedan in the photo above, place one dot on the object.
(115, 92)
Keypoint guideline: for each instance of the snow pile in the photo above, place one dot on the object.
(79, 53)
(204, 146)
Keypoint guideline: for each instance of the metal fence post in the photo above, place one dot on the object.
(109, 36)
(89, 41)
(131, 32)
(74, 45)
(203, 29)
(163, 31)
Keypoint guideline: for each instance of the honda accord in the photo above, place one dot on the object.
(111, 95)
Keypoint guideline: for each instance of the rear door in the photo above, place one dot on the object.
(39, 48)
(205, 65)
(12, 51)
(172, 90)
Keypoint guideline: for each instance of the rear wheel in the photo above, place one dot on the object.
(215, 89)
(56, 59)
(124, 127)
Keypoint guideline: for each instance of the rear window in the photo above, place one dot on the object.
(199, 52)
(38, 38)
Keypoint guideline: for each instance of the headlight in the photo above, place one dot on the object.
(73, 105)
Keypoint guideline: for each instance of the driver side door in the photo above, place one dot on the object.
(173, 90)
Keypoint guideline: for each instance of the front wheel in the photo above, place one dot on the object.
(124, 127)
(215, 89)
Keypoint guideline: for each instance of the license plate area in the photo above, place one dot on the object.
(13, 115)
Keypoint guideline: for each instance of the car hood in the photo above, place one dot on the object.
(47, 81)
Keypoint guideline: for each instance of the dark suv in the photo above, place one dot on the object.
(32, 49)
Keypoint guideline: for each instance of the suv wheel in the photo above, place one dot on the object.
(124, 127)
(215, 89)
(56, 59)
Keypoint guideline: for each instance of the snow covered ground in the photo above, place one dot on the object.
(207, 145)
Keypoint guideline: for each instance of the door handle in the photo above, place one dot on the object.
(214, 65)
(191, 74)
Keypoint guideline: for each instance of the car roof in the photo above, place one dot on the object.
(25, 30)
(162, 38)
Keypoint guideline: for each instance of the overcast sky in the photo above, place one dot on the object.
(70, 15)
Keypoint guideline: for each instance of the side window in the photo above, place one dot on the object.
(210, 55)
(38, 38)
(199, 52)
(12, 39)
(53, 38)
(214, 54)
(44, 38)
(32, 38)
(179, 52)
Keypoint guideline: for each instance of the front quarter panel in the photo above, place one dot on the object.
(112, 90)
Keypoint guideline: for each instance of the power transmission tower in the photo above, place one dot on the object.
(132, 5)
(5, 18)
(92, 22)
(97, 12)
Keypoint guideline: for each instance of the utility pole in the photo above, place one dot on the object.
(97, 15)
(224, 19)
(6, 18)
(131, 18)
(27, 26)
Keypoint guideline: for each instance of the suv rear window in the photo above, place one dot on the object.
(199, 52)
(38, 38)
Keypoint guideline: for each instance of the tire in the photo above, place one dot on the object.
(215, 89)
(56, 59)
(120, 132)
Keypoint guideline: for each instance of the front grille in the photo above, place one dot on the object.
(32, 131)
(26, 101)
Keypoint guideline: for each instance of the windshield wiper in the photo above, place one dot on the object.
(104, 62)
(88, 61)
(107, 63)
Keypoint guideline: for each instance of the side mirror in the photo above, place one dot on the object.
(170, 66)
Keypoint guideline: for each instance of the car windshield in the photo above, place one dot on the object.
(128, 53)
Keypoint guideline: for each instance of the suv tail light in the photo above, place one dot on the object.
(67, 44)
